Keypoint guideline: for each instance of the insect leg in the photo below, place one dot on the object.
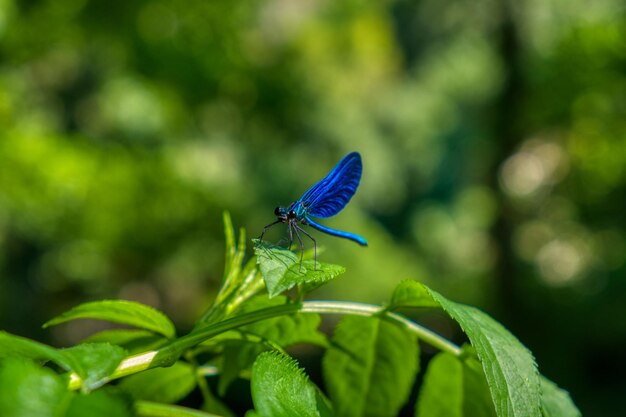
(290, 228)
(281, 241)
(296, 228)
(266, 228)
(314, 246)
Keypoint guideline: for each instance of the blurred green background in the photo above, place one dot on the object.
(493, 136)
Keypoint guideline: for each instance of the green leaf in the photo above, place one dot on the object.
(441, 394)
(97, 361)
(101, 403)
(454, 388)
(509, 367)
(150, 409)
(282, 270)
(409, 293)
(133, 340)
(28, 390)
(120, 311)
(16, 346)
(370, 367)
(556, 402)
(165, 385)
(281, 389)
(284, 331)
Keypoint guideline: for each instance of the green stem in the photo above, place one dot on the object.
(169, 354)
(204, 333)
(369, 310)
(152, 409)
(201, 381)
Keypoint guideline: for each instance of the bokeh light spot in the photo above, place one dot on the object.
(522, 174)
(561, 261)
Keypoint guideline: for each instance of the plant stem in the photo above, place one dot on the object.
(369, 310)
(169, 354)
(152, 409)
(201, 381)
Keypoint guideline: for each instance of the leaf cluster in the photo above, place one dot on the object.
(370, 362)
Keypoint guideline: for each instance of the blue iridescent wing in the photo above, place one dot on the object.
(330, 195)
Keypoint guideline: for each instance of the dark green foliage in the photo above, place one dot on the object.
(369, 366)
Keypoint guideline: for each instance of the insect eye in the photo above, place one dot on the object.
(292, 214)
(277, 211)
